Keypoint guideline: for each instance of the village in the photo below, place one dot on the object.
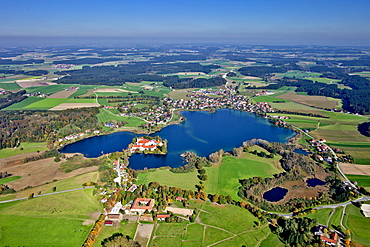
(200, 100)
(123, 201)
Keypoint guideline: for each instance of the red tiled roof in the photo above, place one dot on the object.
(163, 216)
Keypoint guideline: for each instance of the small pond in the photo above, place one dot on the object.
(301, 151)
(275, 194)
(312, 182)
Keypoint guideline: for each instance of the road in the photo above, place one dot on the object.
(334, 154)
(343, 204)
(47, 194)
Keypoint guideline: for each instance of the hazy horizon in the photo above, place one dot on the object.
(285, 22)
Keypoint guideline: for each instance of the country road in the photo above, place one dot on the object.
(47, 194)
(343, 204)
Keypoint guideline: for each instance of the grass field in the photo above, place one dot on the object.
(339, 129)
(8, 179)
(165, 177)
(300, 74)
(224, 179)
(321, 215)
(126, 228)
(358, 224)
(336, 217)
(362, 180)
(81, 101)
(66, 184)
(315, 101)
(269, 99)
(49, 89)
(214, 227)
(324, 80)
(9, 86)
(33, 103)
(105, 116)
(56, 219)
(27, 148)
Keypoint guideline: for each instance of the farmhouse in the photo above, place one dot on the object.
(162, 217)
(143, 144)
(333, 240)
(115, 214)
(140, 205)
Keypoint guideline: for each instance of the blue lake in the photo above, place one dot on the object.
(313, 182)
(275, 194)
(202, 133)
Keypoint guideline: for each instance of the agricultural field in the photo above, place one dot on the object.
(362, 180)
(9, 86)
(321, 215)
(300, 74)
(214, 227)
(336, 217)
(59, 220)
(358, 224)
(315, 101)
(106, 116)
(126, 228)
(27, 148)
(339, 129)
(51, 89)
(166, 177)
(33, 103)
(8, 179)
(224, 179)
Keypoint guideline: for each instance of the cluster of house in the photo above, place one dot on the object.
(143, 144)
(277, 117)
(322, 148)
(63, 66)
(200, 101)
(138, 208)
(72, 88)
(3, 92)
(159, 115)
(331, 238)
(38, 94)
(71, 137)
(263, 93)
(111, 125)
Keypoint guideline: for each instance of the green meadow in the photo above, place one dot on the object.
(106, 116)
(224, 179)
(56, 219)
(300, 74)
(362, 180)
(214, 227)
(9, 86)
(339, 129)
(321, 215)
(358, 224)
(8, 179)
(27, 148)
(34, 103)
(166, 177)
(51, 89)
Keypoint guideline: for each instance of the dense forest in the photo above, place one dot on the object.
(364, 129)
(144, 71)
(12, 98)
(80, 61)
(20, 62)
(39, 72)
(40, 126)
(355, 100)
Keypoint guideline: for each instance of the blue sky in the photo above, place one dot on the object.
(340, 22)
